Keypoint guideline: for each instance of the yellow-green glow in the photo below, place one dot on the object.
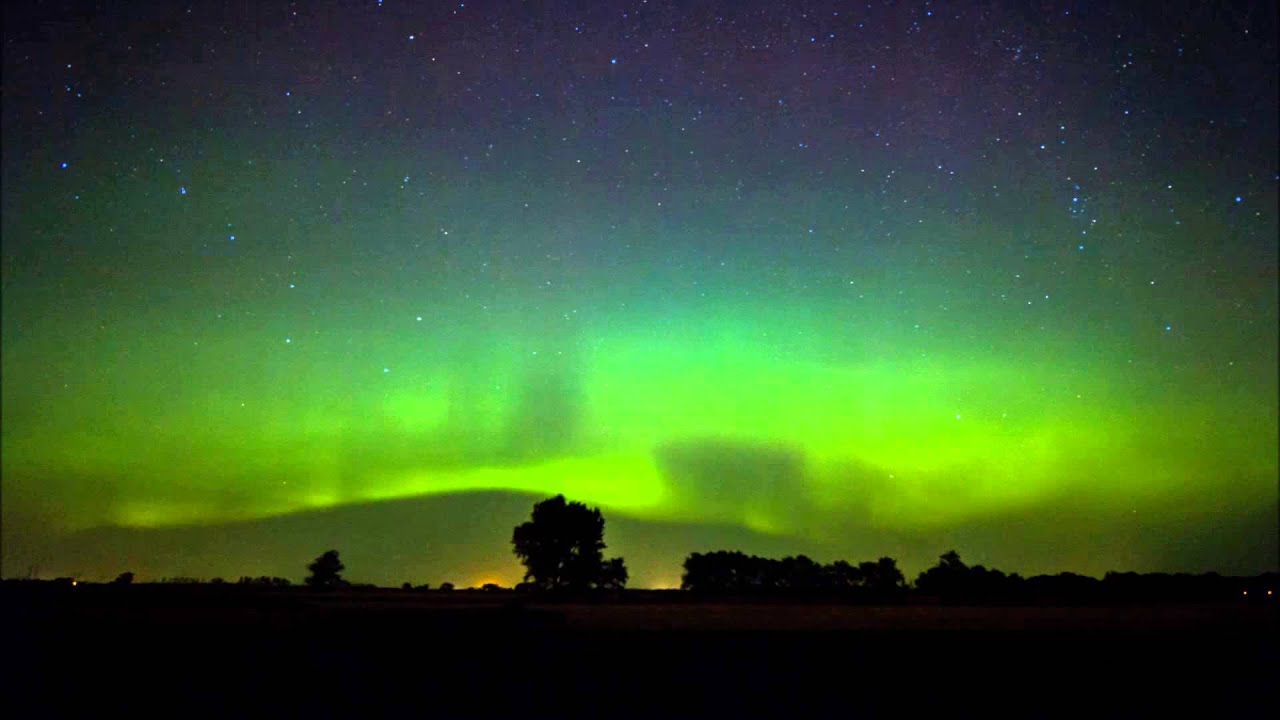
(912, 442)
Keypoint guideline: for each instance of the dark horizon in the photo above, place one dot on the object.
(410, 550)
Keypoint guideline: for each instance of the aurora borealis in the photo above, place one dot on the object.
(844, 279)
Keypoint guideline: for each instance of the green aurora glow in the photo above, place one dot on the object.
(799, 357)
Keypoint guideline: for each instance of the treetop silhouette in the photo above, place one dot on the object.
(562, 546)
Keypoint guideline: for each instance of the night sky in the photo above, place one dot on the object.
(847, 279)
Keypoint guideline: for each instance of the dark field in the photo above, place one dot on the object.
(225, 652)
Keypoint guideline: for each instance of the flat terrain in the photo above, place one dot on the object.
(230, 652)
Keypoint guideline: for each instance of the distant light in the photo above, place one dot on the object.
(419, 318)
(288, 341)
(1246, 592)
(64, 166)
(1238, 198)
(1167, 328)
(386, 370)
(75, 583)
(292, 286)
(1268, 592)
(182, 190)
(410, 37)
(231, 237)
(613, 61)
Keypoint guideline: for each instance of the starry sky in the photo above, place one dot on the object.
(848, 279)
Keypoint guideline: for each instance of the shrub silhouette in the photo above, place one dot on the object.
(124, 578)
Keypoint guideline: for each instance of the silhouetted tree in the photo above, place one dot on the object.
(732, 572)
(124, 578)
(799, 573)
(264, 580)
(561, 547)
(946, 579)
(953, 581)
(406, 586)
(326, 571)
(882, 578)
(725, 571)
(446, 586)
(1064, 587)
(841, 576)
(735, 572)
(613, 575)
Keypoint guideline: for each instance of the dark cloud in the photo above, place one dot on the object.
(731, 479)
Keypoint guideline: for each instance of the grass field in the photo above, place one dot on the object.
(194, 652)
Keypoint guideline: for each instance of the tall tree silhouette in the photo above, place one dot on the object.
(562, 547)
(326, 571)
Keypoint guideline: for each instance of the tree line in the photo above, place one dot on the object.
(562, 548)
(732, 572)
